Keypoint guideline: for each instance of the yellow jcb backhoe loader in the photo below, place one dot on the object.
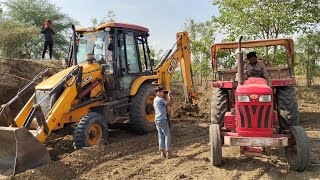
(110, 78)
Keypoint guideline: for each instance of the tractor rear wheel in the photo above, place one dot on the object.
(219, 106)
(287, 107)
(215, 145)
(297, 153)
(92, 130)
(141, 111)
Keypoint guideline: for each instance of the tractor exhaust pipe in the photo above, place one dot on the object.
(240, 63)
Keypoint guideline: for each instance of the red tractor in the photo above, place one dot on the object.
(254, 113)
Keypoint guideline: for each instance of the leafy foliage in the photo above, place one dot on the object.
(14, 36)
(268, 19)
(155, 54)
(307, 56)
(110, 17)
(31, 14)
(202, 36)
(265, 19)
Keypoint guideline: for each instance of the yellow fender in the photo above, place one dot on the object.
(137, 83)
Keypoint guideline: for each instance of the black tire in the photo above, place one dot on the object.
(85, 134)
(219, 106)
(215, 145)
(287, 107)
(140, 109)
(298, 153)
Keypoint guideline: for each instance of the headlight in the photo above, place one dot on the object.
(265, 98)
(243, 98)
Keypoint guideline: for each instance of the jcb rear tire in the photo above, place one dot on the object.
(287, 107)
(215, 145)
(141, 107)
(92, 130)
(298, 153)
(219, 106)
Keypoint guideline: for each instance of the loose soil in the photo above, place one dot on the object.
(131, 156)
(15, 74)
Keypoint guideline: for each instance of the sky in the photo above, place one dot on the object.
(163, 18)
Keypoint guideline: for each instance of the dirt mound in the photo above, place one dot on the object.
(15, 74)
(182, 110)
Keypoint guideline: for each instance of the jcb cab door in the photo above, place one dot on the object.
(128, 60)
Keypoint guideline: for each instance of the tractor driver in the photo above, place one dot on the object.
(253, 68)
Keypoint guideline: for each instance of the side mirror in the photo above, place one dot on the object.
(152, 62)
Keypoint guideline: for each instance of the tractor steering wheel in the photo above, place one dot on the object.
(253, 73)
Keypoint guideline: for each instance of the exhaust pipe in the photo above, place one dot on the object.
(240, 63)
(20, 151)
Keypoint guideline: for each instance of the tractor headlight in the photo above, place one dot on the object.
(243, 98)
(265, 98)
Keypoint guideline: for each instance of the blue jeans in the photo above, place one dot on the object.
(163, 134)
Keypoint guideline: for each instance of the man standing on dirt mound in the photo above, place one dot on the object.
(161, 121)
(48, 42)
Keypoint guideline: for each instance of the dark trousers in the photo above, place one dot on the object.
(46, 45)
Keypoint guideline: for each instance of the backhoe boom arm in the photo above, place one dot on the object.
(167, 66)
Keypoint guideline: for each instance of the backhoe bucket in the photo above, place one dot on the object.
(20, 150)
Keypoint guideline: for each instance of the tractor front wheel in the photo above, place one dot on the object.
(141, 111)
(297, 153)
(92, 130)
(219, 106)
(215, 145)
(287, 107)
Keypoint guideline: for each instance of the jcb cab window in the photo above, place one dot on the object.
(92, 43)
(132, 53)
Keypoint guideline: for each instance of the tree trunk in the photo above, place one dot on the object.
(201, 76)
(201, 73)
(308, 68)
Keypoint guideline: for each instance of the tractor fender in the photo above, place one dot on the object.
(137, 83)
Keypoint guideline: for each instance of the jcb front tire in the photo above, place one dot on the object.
(92, 130)
(141, 110)
(298, 153)
(287, 107)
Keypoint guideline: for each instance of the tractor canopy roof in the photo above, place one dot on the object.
(286, 42)
(112, 24)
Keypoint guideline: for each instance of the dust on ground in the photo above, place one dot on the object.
(131, 156)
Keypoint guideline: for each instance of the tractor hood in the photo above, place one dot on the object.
(254, 86)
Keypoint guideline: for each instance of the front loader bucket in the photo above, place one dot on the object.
(20, 150)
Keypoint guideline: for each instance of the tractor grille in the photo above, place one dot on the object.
(256, 116)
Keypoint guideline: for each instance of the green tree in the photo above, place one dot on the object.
(1, 11)
(156, 54)
(110, 17)
(32, 13)
(202, 36)
(308, 53)
(14, 36)
(265, 19)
